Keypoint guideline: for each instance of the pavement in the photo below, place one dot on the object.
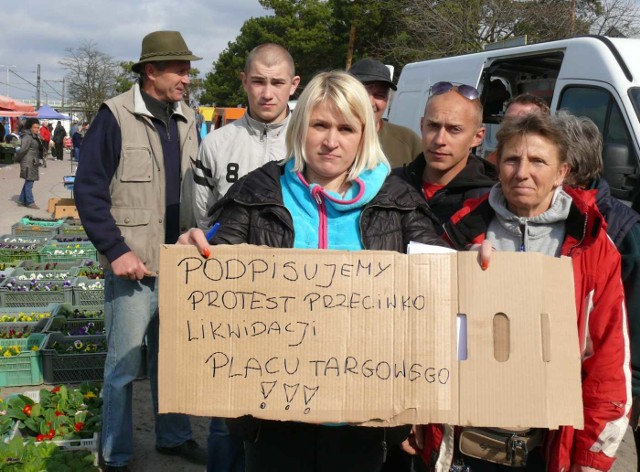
(146, 458)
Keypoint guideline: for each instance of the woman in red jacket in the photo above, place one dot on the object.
(45, 136)
(530, 210)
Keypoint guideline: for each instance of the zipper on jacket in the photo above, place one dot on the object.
(523, 229)
(323, 242)
(584, 235)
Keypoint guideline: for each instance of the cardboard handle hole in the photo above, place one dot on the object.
(501, 337)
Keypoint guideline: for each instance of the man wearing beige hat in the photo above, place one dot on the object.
(133, 193)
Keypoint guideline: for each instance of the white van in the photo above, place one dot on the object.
(593, 76)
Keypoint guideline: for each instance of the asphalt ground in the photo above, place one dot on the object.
(146, 458)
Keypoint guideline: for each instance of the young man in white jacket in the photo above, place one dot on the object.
(258, 137)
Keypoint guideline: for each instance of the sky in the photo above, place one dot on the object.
(40, 32)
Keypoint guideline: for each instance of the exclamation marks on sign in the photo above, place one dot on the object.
(290, 393)
(267, 388)
(309, 393)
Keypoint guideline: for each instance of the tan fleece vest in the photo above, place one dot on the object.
(138, 185)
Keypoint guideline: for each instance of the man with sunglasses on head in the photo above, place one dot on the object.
(447, 172)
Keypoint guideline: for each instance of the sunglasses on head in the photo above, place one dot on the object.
(467, 91)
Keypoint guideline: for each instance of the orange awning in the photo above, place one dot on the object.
(7, 103)
(13, 108)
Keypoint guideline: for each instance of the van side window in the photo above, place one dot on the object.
(620, 161)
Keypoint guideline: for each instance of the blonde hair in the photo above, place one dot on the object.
(348, 96)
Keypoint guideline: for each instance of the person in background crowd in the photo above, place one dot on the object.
(58, 140)
(400, 144)
(584, 157)
(116, 190)
(230, 152)
(333, 156)
(29, 155)
(77, 138)
(521, 105)
(446, 172)
(530, 210)
(3, 130)
(45, 135)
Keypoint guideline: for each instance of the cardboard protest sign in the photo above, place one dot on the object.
(367, 337)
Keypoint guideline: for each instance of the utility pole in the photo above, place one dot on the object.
(6, 85)
(62, 102)
(38, 87)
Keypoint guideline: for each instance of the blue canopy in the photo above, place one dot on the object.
(47, 113)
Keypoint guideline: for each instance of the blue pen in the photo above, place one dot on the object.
(212, 231)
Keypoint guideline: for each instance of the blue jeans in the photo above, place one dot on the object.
(131, 313)
(225, 452)
(26, 195)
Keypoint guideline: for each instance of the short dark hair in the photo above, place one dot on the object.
(533, 123)
(528, 99)
(30, 122)
(584, 155)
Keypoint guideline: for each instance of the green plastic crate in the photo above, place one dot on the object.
(53, 265)
(73, 227)
(74, 312)
(70, 327)
(12, 238)
(66, 252)
(45, 312)
(19, 253)
(47, 222)
(88, 292)
(34, 326)
(11, 298)
(26, 367)
(21, 274)
(20, 229)
(72, 368)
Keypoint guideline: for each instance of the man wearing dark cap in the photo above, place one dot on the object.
(133, 193)
(400, 144)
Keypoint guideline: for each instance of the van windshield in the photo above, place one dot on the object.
(634, 94)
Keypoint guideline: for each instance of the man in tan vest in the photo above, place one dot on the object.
(133, 193)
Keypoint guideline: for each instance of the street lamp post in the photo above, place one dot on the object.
(6, 85)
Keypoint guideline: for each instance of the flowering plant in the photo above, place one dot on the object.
(96, 285)
(60, 413)
(79, 347)
(11, 351)
(44, 275)
(16, 333)
(92, 271)
(18, 455)
(15, 285)
(24, 317)
(21, 240)
(79, 313)
(69, 249)
(71, 239)
(89, 328)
